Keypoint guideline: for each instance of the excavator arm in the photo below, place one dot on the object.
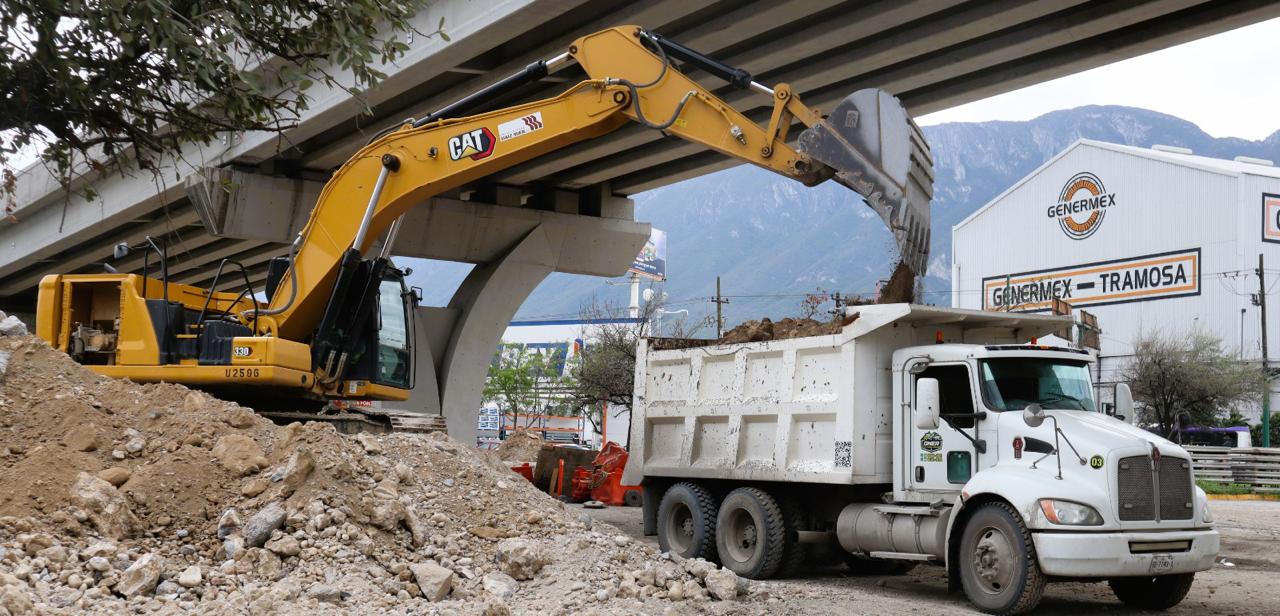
(323, 305)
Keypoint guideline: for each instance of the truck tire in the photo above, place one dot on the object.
(1153, 593)
(865, 565)
(750, 533)
(687, 521)
(998, 567)
(794, 553)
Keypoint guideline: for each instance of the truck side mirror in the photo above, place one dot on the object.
(1033, 415)
(1124, 403)
(928, 402)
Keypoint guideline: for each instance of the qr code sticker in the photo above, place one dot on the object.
(844, 453)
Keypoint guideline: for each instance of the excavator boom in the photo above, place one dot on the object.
(319, 330)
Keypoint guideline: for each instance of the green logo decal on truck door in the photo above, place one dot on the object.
(931, 441)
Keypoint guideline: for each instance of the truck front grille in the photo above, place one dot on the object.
(1176, 502)
(1137, 491)
(1137, 485)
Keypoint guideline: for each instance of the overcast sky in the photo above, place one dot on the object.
(1228, 84)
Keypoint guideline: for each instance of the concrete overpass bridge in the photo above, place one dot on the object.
(569, 211)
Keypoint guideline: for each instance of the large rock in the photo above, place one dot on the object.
(14, 600)
(722, 584)
(141, 577)
(11, 326)
(258, 529)
(228, 523)
(292, 475)
(116, 475)
(324, 593)
(520, 558)
(500, 584)
(371, 444)
(285, 546)
(239, 454)
(108, 509)
(83, 437)
(388, 514)
(434, 581)
(190, 577)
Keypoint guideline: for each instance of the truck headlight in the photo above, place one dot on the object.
(1206, 516)
(1068, 513)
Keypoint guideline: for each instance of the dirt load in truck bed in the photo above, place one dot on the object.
(900, 288)
(117, 497)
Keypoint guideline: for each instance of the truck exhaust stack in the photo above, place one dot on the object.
(875, 148)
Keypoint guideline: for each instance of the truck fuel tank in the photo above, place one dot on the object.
(879, 530)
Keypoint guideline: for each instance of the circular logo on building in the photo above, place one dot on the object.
(1082, 205)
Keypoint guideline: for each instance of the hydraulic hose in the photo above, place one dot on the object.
(293, 285)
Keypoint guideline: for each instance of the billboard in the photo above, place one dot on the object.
(1136, 279)
(1270, 218)
(652, 260)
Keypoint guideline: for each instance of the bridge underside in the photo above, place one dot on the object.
(934, 54)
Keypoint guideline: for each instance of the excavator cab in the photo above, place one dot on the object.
(385, 356)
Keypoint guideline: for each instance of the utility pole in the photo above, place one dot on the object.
(839, 301)
(719, 301)
(1266, 367)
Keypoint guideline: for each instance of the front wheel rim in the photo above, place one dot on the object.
(994, 561)
(680, 529)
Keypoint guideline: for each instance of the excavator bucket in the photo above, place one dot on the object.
(876, 149)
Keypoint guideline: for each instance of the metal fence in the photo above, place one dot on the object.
(1255, 467)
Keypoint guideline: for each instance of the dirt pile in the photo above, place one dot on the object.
(521, 446)
(117, 497)
(765, 329)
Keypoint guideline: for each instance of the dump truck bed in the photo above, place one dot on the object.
(814, 409)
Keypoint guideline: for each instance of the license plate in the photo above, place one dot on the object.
(1161, 563)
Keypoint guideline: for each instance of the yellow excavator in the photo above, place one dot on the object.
(336, 321)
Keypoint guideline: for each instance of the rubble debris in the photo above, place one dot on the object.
(520, 446)
(216, 510)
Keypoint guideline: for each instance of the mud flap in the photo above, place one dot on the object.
(875, 148)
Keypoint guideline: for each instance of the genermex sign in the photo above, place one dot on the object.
(1082, 205)
(1135, 279)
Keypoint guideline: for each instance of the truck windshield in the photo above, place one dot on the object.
(1013, 383)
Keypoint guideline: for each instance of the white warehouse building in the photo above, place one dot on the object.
(1145, 239)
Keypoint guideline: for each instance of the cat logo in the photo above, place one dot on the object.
(476, 144)
(1082, 205)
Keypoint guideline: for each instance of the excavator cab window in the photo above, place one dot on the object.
(394, 365)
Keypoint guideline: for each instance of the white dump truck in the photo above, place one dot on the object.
(916, 434)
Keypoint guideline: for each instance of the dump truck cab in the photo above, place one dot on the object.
(1018, 424)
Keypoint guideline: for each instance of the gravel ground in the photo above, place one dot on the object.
(1249, 584)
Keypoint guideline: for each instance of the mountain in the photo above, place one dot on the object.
(772, 240)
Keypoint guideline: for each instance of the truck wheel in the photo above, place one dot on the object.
(687, 521)
(794, 553)
(750, 533)
(1153, 593)
(997, 560)
(865, 565)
